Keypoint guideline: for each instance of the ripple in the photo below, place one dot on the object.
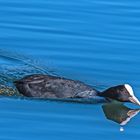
(96, 42)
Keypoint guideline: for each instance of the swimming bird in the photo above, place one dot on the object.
(48, 86)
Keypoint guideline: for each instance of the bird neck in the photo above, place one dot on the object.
(101, 94)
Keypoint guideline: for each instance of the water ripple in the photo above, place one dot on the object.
(96, 42)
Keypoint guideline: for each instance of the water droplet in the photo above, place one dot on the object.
(121, 129)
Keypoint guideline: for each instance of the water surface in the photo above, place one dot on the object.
(96, 42)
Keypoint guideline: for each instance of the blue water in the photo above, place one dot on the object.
(94, 41)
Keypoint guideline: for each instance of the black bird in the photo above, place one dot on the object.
(47, 86)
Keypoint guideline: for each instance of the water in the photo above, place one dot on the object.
(96, 42)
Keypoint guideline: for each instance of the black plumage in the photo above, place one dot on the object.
(47, 86)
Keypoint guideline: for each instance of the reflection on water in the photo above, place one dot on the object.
(119, 113)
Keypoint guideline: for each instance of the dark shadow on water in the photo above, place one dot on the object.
(119, 113)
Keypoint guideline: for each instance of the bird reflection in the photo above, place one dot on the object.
(119, 113)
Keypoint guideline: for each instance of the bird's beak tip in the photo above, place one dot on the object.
(134, 100)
